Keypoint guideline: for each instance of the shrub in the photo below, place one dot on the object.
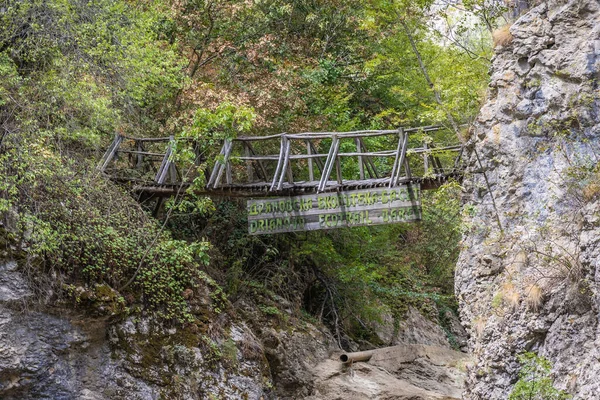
(534, 297)
(535, 382)
(502, 36)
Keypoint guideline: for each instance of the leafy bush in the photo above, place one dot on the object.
(535, 381)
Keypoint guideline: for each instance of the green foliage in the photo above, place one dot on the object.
(72, 72)
(225, 122)
(535, 380)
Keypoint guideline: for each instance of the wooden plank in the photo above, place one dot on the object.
(334, 210)
(315, 211)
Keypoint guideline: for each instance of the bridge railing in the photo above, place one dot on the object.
(320, 161)
(328, 160)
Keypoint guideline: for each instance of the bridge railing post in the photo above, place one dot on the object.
(400, 159)
(224, 166)
(215, 170)
(167, 165)
(110, 153)
(331, 157)
(278, 171)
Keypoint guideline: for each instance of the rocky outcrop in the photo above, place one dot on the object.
(415, 328)
(57, 354)
(403, 372)
(527, 278)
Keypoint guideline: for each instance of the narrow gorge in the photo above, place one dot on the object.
(138, 259)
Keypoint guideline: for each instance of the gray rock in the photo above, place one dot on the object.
(540, 290)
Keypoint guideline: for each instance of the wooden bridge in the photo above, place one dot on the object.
(287, 164)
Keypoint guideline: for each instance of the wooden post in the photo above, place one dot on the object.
(361, 167)
(249, 169)
(279, 163)
(286, 161)
(311, 175)
(222, 167)
(110, 152)
(161, 174)
(333, 150)
(338, 170)
(370, 166)
(400, 157)
(289, 171)
(216, 167)
(140, 156)
(425, 159)
(403, 159)
(173, 172)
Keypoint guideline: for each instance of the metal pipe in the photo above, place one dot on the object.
(356, 357)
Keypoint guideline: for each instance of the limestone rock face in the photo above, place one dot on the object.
(58, 354)
(527, 277)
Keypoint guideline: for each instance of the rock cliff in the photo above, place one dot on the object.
(528, 274)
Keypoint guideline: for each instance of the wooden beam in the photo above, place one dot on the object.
(161, 174)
